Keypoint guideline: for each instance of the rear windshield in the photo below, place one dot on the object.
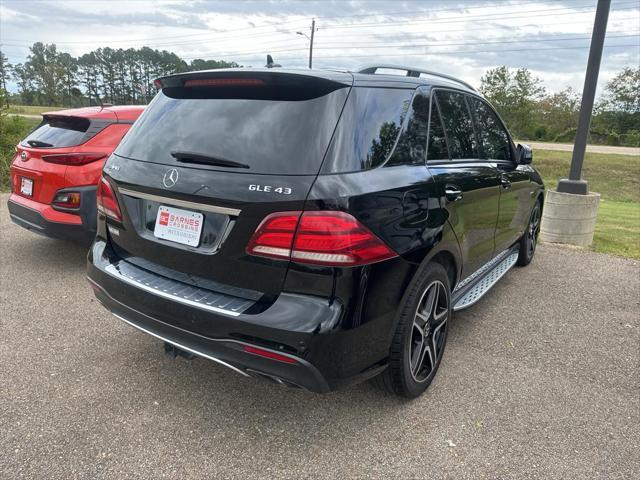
(263, 135)
(56, 132)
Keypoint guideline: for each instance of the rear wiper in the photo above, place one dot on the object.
(38, 143)
(191, 157)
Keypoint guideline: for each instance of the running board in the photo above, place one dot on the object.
(485, 281)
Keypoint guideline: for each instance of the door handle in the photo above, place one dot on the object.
(452, 193)
(506, 184)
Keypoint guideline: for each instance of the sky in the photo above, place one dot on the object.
(463, 38)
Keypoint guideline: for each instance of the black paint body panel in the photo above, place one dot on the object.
(340, 321)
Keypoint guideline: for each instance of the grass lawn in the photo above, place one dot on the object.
(31, 109)
(617, 179)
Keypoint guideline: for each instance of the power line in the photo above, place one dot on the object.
(525, 14)
(471, 43)
(279, 24)
(477, 51)
(455, 9)
(345, 47)
(457, 19)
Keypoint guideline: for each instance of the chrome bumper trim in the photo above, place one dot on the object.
(180, 203)
(179, 292)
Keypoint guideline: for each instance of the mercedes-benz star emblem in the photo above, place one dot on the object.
(24, 156)
(170, 178)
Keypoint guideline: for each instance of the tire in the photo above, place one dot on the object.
(529, 241)
(424, 313)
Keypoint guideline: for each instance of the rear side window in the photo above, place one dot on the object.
(368, 129)
(457, 124)
(494, 140)
(410, 149)
(437, 149)
(56, 132)
(266, 134)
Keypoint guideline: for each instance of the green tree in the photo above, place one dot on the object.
(47, 72)
(622, 93)
(557, 115)
(617, 115)
(23, 75)
(515, 95)
(5, 71)
(200, 64)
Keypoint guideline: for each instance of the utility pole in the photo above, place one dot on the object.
(313, 30)
(310, 38)
(575, 184)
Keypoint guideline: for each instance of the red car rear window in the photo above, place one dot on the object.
(56, 132)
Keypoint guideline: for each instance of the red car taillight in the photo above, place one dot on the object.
(73, 158)
(67, 200)
(107, 201)
(321, 237)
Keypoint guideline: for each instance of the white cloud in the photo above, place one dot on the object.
(462, 38)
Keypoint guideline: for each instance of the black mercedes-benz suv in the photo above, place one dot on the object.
(314, 228)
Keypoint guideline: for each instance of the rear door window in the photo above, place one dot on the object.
(56, 132)
(412, 143)
(437, 149)
(265, 133)
(368, 128)
(458, 125)
(494, 140)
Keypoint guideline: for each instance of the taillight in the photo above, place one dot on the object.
(107, 201)
(274, 236)
(67, 200)
(320, 237)
(73, 158)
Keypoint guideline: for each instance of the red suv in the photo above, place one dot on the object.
(58, 166)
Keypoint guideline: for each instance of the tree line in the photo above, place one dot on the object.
(118, 76)
(532, 113)
(125, 76)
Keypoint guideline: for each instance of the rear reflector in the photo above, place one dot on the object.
(223, 82)
(321, 237)
(107, 201)
(67, 200)
(268, 354)
(73, 158)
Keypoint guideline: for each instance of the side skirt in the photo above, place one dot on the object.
(475, 286)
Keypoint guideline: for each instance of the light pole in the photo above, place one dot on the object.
(571, 211)
(310, 38)
(575, 184)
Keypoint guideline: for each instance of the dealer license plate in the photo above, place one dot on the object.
(178, 225)
(26, 186)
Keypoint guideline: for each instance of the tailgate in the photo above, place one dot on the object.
(213, 155)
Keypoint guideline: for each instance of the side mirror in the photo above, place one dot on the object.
(524, 154)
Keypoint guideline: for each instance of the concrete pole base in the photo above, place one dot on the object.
(569, 218)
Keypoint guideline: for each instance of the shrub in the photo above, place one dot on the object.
(12, 130)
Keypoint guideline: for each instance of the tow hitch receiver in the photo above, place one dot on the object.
(174, 352)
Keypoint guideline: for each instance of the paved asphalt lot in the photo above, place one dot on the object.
(539, 380)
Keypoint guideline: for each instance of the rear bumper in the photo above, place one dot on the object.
(41, 218)
(224, 351)
(305, 329)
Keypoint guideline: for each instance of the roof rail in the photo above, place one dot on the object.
(415, 72)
